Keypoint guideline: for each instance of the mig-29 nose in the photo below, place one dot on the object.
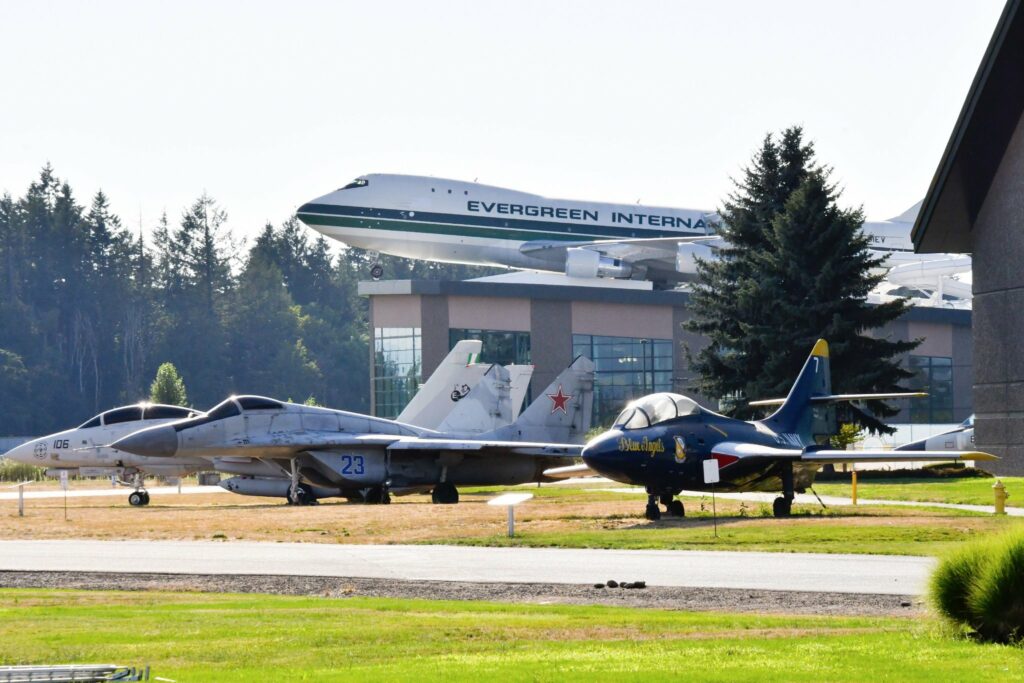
(160, 442)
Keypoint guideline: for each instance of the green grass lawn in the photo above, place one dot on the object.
(841, 531)
(203, 637)
(974, 491)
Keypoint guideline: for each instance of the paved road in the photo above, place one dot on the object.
(881, 574)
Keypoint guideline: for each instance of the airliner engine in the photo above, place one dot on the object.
(588, 263)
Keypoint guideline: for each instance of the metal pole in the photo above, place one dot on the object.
(21, 500)
(511, 521)
(853, 486)
(714, 511)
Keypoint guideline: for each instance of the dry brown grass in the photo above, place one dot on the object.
(410, 519)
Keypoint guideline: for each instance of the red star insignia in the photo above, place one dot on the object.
(558, 400)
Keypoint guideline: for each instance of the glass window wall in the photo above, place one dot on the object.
(625, 368)
(933, 374)
(397, 362)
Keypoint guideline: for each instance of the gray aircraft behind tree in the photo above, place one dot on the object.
(661, 442)
(333, 452)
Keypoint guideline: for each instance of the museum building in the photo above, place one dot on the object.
(635, 337)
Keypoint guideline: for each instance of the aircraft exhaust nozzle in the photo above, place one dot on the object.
(157, 442)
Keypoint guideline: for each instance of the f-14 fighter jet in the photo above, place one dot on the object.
(333, 452)
(661, 442)
(83, 450)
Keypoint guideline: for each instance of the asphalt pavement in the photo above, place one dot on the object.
(880, 574)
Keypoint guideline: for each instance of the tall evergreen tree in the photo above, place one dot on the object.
(168, 387)
(795, 268)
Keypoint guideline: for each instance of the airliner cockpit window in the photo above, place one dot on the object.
(359, 182)
(119, 415)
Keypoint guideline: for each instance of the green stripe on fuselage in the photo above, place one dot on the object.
(499, 233)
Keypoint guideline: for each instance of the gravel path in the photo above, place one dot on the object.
(692, 599)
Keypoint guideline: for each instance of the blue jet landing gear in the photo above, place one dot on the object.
(783, 505)
(673, 507)
(652, 512)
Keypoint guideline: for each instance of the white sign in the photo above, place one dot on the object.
(510, 499)
(711, 471)
(64, 479)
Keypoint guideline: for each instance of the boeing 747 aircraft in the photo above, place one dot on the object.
(461, 222)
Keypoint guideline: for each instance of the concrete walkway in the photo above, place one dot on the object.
(881, 574)
(7, 493)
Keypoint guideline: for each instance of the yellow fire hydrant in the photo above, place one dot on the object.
(1000, 494)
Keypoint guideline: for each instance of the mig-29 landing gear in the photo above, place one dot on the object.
(444, 493)
(377, 495)
(139, 497)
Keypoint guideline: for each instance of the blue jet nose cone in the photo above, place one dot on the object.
(157, 442)
(600, 449)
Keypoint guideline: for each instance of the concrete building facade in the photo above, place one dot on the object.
(976, 204)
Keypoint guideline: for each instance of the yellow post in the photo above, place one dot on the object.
(1000, 494)
(853, 481)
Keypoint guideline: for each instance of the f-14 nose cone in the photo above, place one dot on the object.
(158, 442)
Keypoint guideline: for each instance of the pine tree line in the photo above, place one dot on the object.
(89, 310)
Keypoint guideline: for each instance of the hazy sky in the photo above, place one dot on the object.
(266, 105)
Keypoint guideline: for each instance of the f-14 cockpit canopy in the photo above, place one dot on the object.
(137, 412)
(655, 409)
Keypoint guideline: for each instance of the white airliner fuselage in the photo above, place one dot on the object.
(460, 222)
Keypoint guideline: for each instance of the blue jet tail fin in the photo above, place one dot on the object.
(796, 415)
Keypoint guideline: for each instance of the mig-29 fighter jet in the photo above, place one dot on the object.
(83, 450)
(352, 455)
(661, 441)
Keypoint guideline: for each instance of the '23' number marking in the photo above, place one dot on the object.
(352, 464)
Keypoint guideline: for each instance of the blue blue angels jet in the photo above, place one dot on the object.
(661, 441)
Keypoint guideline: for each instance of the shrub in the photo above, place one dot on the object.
(981, 588)
(18, 471)
(997, 598)
(954, 579)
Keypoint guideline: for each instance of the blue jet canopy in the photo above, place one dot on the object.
(655, 409)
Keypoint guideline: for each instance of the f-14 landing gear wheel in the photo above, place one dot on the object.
(653, 512)
(377, 495)
(444, 493)
(138, 498)
(673, 507)
(782, 507)
(376, 271)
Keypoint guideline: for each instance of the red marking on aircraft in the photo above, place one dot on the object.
(558, 400)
